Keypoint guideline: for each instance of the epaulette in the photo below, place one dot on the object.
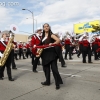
(34, 35)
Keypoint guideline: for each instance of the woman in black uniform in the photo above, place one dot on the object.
(49, 56)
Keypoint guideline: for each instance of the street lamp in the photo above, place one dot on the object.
(36, 23)
(32, 17)
(35, 20)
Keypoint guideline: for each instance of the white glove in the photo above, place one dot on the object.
(34, 46)
(84, 35)
(16, 48)
(50, 44)
(1, 55)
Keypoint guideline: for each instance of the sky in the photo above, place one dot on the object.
(61, 15)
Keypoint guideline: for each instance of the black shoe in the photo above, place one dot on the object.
(1, 78)
(84, 61)
(66, 59)
(39, 64)
(44, 83)
(96, 59)
(78, 56)
(14, 68)
(64, 66)
(35, 71)
(90, 62)
(24, 58)
(57, 87)
(11, 79)
(70, 58)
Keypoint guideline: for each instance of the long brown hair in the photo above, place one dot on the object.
(48, 40)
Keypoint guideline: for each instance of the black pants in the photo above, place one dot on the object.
(94, 48)
(79, 53)
(86, 51)
(99, 54)
(8, 66)
(35, 62)
(21, 53)
(13, 60)
(15, 55)
(61, 59)
(59, 54)
(33, 57)
(54, 68)
(80, 50)
(68, 49)
(28, 53)
(95, 55)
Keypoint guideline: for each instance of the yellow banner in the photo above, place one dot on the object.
(85, 27)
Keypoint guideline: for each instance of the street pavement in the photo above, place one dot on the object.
(81, 82)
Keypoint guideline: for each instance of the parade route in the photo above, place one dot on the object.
(49, 50)
(81, 82)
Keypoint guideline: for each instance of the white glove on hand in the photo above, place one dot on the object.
(1, 55)
(34, 46)
(50, 44)
(16, 48)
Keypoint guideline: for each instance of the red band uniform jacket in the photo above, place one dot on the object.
(36, 40)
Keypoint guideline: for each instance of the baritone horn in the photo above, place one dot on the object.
(79, 35)
(39, 52)
(9, 46)
(92, 38)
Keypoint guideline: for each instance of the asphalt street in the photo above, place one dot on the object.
(81, 82)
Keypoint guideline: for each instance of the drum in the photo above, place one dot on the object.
(24, 50)
(16, 51)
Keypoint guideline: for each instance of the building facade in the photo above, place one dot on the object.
(21, 37)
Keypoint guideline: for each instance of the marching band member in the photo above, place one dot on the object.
(73, 45)
(12, 52)
(20, 46)
(36, 40)
(80, 48)
(28, 46)
(86, 49)
(98, 50)
(95, 46)
(59, 53)
(49, 56)
(68, 44)
(3, 44)
(13, 60)
(16, 51)
(24, 48)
